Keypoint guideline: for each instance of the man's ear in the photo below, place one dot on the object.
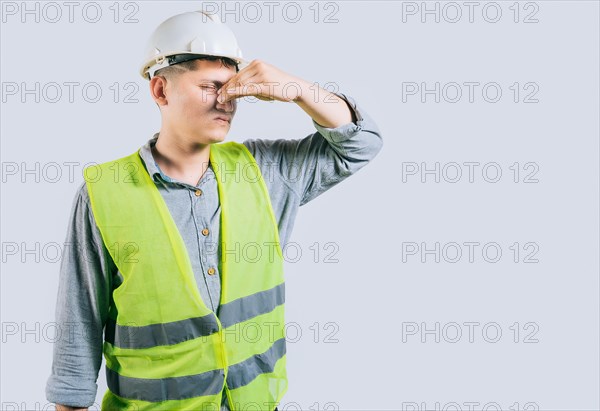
(158, 90)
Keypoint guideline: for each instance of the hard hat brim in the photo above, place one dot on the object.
(152, 67)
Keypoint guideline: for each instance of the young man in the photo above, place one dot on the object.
(161, 272)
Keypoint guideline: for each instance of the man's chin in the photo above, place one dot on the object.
(213, 138)
(219, 138)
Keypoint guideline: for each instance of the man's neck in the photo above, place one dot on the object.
(186, 162)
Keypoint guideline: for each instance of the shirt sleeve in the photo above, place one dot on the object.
(312, 165)
(83, 299)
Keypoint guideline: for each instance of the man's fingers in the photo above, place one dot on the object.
(240, 78)
(244, 88)
(250, 89)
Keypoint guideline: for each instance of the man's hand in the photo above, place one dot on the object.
(266, 82)
(263, 81)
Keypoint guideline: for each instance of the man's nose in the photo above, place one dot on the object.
(229, 106)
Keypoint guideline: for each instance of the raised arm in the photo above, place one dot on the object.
(345, 141)
(311, 165)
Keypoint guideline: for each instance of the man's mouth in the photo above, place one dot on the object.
(223, 119)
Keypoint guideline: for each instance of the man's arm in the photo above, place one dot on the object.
(267, 82)
(325, 108)
(81, 310)
(344, 141)
(315, 163)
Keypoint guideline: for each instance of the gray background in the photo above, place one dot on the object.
(363, 304)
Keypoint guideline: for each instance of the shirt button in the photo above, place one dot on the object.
(211, 271)
(198, 193)
(205, 231)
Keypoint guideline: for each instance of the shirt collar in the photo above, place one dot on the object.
(153, 168)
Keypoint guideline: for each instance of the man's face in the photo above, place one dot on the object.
(191, 108)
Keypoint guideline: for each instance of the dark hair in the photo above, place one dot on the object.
(190, 65)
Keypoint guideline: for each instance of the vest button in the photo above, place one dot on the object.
(198, 193)
(211, 271)
(205, 231)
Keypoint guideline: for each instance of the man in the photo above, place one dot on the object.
(162, 229)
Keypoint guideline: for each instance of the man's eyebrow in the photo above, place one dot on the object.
(215, 82)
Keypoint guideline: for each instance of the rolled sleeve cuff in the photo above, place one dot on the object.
(345, 131)
(69, 391)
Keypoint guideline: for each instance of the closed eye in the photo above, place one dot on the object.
(209, 87)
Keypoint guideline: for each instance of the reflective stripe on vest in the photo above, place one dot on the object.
(164, 348)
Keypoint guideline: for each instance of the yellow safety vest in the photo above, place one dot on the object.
(164, 349)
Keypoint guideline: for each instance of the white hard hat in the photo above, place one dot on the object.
(184, 35)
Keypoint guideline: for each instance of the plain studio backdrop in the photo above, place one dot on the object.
(458, 269)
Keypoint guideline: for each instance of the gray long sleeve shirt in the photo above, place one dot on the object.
(295, 172)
